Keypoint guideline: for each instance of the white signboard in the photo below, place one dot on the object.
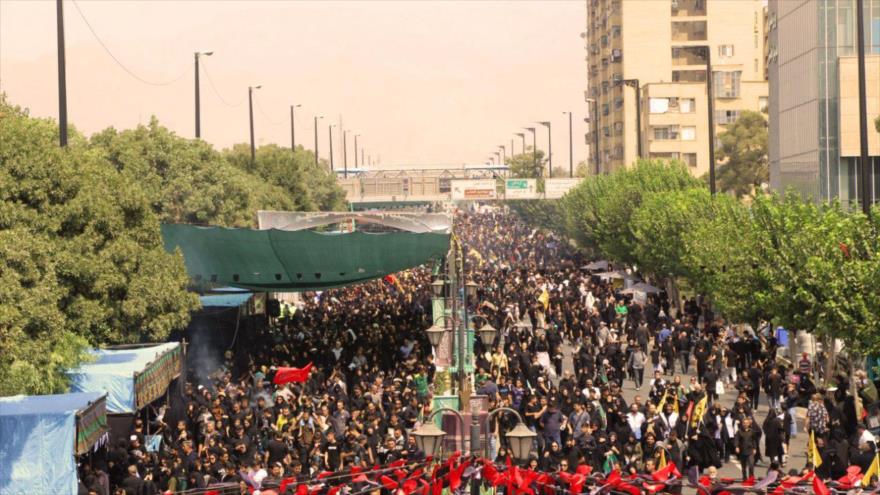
(474, 189)
(556, 188)
(521, 189)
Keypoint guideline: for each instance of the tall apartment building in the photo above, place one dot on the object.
(655, 50)
(814, 134)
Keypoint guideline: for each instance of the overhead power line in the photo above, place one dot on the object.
(119, 62)
(204, 68)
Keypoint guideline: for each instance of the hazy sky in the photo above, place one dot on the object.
(423, 82)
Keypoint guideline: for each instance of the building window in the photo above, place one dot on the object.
(688, 76)
(686, 105)
(688, 133)
(762, 103)
(690, 159)
(618, 128)
(665, 156)
(689, 31)
(686, 8)
(665, 132)
(688, 55)
(725, 51)
(616, 55)
(658, 105)
(618, 102)
(615, 31)
(605, 109)
(606, 131)
(723, 117)
(727, 83)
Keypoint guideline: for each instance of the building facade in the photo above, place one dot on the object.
(647, 69)
(814, 121)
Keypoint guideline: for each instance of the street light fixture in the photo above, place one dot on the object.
(570, 148)
(429, 438)
(520, 439)
(198, 97)
(487, 334)
(523, 136)
(330, 129)
(470, 288)
(437, 287)
(435, 334)
(504, 153)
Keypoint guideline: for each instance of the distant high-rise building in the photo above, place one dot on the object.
(658, 48)
(814, 119)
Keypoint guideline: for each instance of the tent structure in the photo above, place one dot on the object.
(596, 266)
(131, 377)
(641, 287)
(279, 260)
(41, 434)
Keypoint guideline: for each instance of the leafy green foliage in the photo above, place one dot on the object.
(543, 213)
(600, 209)
(527, 165)
(81, 256)
(744, 151)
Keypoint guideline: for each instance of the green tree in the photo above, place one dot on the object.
(82, 256)
(186, 180)
(599, 210)
(527, 165)
(310, 186)
(743, 149)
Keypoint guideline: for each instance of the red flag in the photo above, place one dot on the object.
(334, 490)
(302, 489)
(750, 481)
(819, 487)
(285, 482)
(844, 249)
(292, 375)
(388, 483)
(409, 486)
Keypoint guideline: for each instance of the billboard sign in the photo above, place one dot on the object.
(556, 188)
(474, 189)
(521, 188)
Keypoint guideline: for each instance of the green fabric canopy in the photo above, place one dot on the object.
(296, 261)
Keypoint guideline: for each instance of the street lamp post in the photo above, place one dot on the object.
(523, 136)
(198, 97)
(356, 136)
(634, 83)
(503, 153)
(865, 168)
(538, 174)
(710, 108)
(549, 148)
(293, 127)
(570, 148)
(62, 74)
(251, 114)
(330, 129)
(345, 154)
(498, 156)
(594, 128)
(317, 117)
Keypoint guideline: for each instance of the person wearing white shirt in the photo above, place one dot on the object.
(635, 419)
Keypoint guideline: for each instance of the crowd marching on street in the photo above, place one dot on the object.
(615, 387)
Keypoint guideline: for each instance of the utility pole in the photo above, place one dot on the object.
(634, 83)
(503, 154)
(251, 114)
(549, 148)
(710, 98)
(356, 136)
(198, 96)
(330, 129)
(293, 127)
(537, 172)
(865, 167)
(345, 155)
(316, 137)
(523, 136)
(62, 75)
(570, 148)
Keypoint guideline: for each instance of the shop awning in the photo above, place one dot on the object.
(277, 260)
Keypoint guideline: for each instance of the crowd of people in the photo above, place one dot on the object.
(694, 385)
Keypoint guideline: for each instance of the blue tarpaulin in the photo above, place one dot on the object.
(113, 373)
(225, 300)
(37, 442)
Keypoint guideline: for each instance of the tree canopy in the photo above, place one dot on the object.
(743, 149)
(82, 261)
